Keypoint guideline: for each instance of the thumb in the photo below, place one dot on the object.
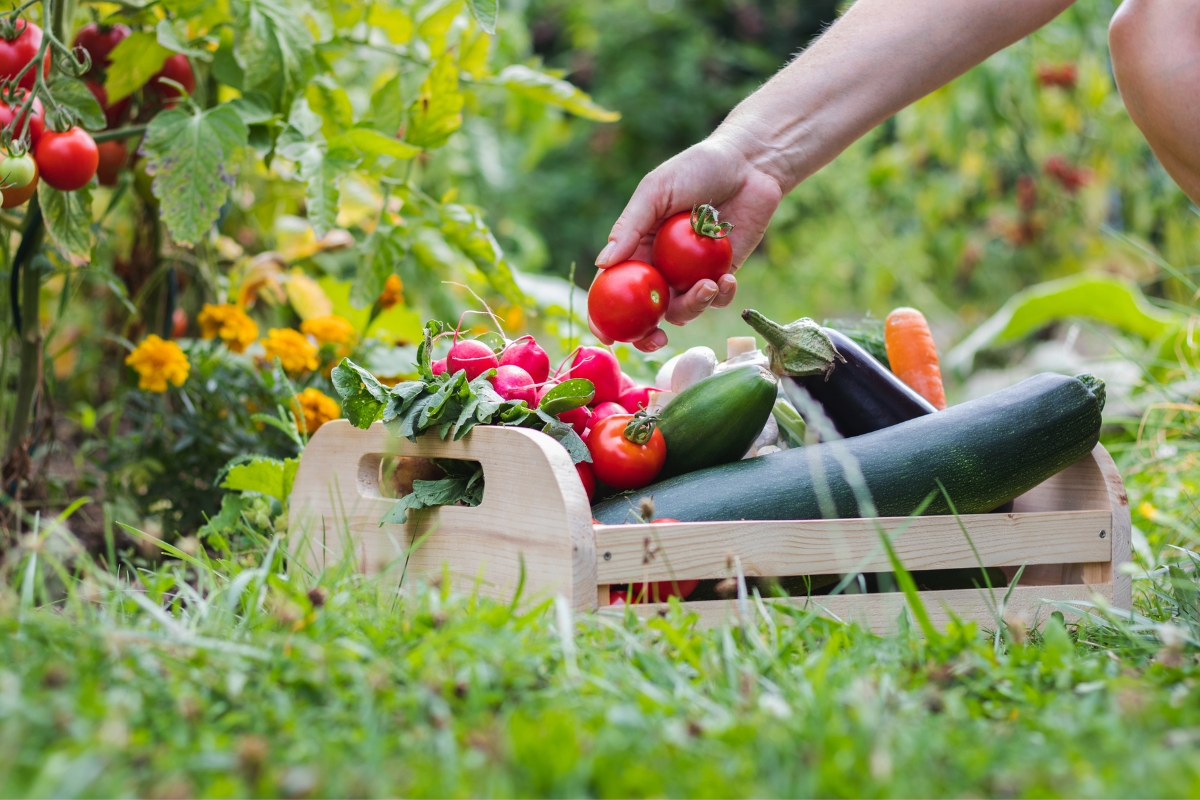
(637, 221)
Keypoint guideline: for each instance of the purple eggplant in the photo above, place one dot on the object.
(858, 394)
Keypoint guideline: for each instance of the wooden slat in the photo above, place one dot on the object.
(634, 553)
(881, 612)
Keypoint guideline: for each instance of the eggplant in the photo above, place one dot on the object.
(858, 394)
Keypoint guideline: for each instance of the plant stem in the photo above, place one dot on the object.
(30, 328)
(120, 133)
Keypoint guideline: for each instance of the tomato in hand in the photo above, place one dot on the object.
(98, 41)
(691, 247)
(67, 160)
(15, 53)
(17, 195)
(37, 122)
(628, 451)
(626, 302)
(113, 156)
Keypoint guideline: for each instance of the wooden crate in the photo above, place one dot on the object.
(1071, 532)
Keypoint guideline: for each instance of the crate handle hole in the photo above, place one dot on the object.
(391, 477)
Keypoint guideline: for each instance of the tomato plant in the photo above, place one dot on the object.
(99, 40)
(628, 451)
(17, 172)
(176, 68)
(67, 160)
(627, 301)
(691, 247)
(17, 195)
(113, 156)
(37, 121)
(20, 43)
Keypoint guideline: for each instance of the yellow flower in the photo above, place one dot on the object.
(157, 362)
(292, 348)
(229, 322)
(391, 294)
(330, 329)
(314, 408)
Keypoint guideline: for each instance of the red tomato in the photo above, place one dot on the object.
(626, 302)
(15, 53)
(589, 480)
(178, 69)
(113, 156)
(626, 461)
(16, 196)
(37, 122)
(100, 40)
(113, 113)
(67, 160)
(691, 247)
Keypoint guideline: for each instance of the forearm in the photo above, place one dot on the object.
(879, 57)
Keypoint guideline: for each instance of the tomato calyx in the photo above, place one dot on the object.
(641, 427)
(705, 222)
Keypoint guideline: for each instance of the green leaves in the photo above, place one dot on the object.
(567, 395)
(485, 13)
(73, 94)
(321, 165)
(437, 111)
(190, 156)
(552, 90)
(464, 228)
(463, 485)
(363, 396)
(134, 61)
(273, 48)
(268, 476)
(68, 219)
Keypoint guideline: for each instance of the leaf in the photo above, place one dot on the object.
(437, 111)
(134, 61)
(172, 34)
(268, 476)
(319, 166)
(75, 95)
(492, 340)
(387, 106)
(395, 23)
(543, 88)
(566, 436)
(190, 156)
(403, 395)
(572, 393)
(379, 253)
(369, 141)
(274, 49)
(464, 228)
(68, 219)
(474, 55)
(437, 17)
(485, 12)
(363, 396)
(331, 103)
(231, 511)
(462, 484)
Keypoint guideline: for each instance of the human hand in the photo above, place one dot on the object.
(717, 171)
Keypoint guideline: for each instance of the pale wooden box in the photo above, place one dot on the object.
(1072, 533)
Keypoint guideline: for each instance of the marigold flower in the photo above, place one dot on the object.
(329, 329)
(157, 362)
(392, 292)
(292, 348)
(313, 409)
(230, 323)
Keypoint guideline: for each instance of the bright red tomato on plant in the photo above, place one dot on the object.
(100, 40)
(626, 302)
(18, 51)
(37, 122)
(67, 160)
(113, 156)
(691, 247)
(176, 68)
(628, 450)
(17, 195)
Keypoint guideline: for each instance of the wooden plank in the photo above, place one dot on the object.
(534, 511)
(635, 553)
(881, 612)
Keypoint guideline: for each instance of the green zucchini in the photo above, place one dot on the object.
(715, 420)
(984, 452)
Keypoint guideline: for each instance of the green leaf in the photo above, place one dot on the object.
(395, 23)
(387, 107)
(572, 393)
(190, 156)
(464, 228)
(362, 395)
(331, 103)
(437, 111)
(529, 82)
(74, 94)
(485, 12)
(172, 34)
(231, 511)
(463, 484)
(68, 219)
(268, 476)
(379, 254)
(273, 48)
(134, 61)
(254, 108)
(319, 166)
(565, 435)
(492, 340)
(369, 141)
(436, 19)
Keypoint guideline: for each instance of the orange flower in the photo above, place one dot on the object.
(292, 348)
(229, 322)
(330, 329)
(157, 362)
(391, 294)
(313, 409)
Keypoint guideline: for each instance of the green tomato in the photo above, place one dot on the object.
(16, 172)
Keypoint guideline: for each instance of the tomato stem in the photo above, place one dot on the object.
(705, 222)
(641, 427)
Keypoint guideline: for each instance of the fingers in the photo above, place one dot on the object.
(726, 289)
(686, 307)
(653, 342)
(636, 223)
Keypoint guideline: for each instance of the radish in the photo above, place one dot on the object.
(627, 382)
(472, 356)
(635, 397)
(578, 418)
(544, 388)
(514, 383)
(601, 368)
(602, 410)
(438, 365)
(529, 356)
(588, 477)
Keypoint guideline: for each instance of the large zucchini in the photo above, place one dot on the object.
(715, 420)
(985, 452)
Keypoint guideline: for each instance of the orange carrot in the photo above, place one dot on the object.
(913, 354)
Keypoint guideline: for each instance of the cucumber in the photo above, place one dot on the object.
(985, 452)
(715, 420)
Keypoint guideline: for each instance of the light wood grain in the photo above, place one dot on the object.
(534, 510)
(634, 553)
(881, 612)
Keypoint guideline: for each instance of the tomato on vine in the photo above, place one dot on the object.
(176, 68)
(18, 195)
(17, 172)
(626, 302)
(19, 45)
(37, 122)
(628, 450)
(67, 160)
(113, 156)
(112, 113)
(98, 41)
(689, 248)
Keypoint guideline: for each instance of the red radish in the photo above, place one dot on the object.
(527, 354)
(627, 382)
(438, 365)
(589, 479)
(657, 592)
(472, 356)
(514, 383)
(601, 368)
(578, 418)
(635, 398)
(602, 410)
(545, 387)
